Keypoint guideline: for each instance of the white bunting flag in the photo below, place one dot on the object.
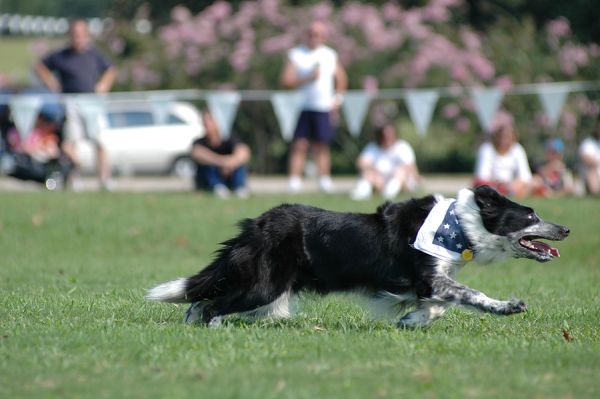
(421, 104)
(553, 99)
(161, 105)
(92, 109)
(223, 105)
(287, 106)
(355, 107)
(24, 110)
(487, 101)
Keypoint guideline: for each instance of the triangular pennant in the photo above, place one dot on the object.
(92, 109)
(287, 106)
(553, 99)
(355, 107)
(161, 105)
(487, 101)
(421, 104)
(223, 106)
(24, 110)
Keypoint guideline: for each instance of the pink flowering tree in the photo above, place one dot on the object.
(381, 47)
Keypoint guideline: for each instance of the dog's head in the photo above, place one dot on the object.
(499, 227)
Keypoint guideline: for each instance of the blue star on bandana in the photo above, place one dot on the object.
(442, 236)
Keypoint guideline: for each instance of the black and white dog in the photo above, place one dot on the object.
(404, 254)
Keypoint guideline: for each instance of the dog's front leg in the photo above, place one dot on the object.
(447, 290)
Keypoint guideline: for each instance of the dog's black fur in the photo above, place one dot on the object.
(296, 247)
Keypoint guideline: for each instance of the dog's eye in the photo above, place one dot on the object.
(532, 216)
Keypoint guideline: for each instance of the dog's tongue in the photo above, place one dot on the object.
(541, 246)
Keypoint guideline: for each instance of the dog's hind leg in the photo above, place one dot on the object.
(447, 290)
(273, 304)
(426, 312)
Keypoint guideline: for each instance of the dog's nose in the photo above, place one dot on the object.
(566, 230)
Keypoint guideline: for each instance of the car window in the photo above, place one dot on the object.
(174, 120)
(121, 119)
(130, 119)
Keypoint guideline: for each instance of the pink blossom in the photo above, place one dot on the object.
(370, 84)
(482, 66)
(219, 10)
(541, 119)
(462, 124)
(572, 57)
(504, 82)
(451, 110)
(559, 27)
(322, 11)
(277, 44)
(390, 11)
(470, 39)
(180, 14)
(460, 73)
(435, 12)
(142, 77)
(569, 119)
(352, 14)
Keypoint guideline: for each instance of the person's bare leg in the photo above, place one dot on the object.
(592, 181)
(102, 166)
(298, 155)
(323, 161)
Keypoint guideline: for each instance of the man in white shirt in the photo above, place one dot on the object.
(315, 70)
(502, 163)
(589, 153)
(387, 165)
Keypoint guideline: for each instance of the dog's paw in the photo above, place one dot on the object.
(515, 306)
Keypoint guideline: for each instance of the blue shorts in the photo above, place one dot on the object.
(315, 126)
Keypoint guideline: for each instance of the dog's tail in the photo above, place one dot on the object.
(171, 291)
(204, 285)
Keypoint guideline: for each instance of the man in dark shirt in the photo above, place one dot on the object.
(221, 162)
(79, 68)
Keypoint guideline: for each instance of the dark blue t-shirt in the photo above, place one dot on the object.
(78, 72)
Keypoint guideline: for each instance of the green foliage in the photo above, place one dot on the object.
(75, 324)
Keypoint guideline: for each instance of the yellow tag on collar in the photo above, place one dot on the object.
(467, 254)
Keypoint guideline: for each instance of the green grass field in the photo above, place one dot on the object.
(74, 323)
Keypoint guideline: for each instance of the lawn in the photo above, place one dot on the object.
(74, 322)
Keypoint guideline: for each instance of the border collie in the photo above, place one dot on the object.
(404, 254)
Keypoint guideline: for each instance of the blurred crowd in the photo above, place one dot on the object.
(387, 165)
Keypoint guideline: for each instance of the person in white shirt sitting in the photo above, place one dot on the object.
(502, 162)
(387, 165)
(589, 154)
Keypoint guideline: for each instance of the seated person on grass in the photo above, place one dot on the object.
(502, 162)
(552, 178)
(221, 162)
(387, 165)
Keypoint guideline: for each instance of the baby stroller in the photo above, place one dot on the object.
(39, 156)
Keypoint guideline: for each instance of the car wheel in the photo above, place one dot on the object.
(183, 166)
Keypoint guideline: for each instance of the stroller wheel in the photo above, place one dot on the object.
(55, 181)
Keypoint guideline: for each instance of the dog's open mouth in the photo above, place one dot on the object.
(538, 247)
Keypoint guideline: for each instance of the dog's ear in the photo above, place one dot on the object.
(486, 197)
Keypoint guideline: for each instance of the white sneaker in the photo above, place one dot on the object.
(294, 184)
(107, 185)
(221, 191)
(325, 184)
(242, 193)
(362, 191)
(391, 189)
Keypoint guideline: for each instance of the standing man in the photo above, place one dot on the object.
(79, 68)
(314, 69)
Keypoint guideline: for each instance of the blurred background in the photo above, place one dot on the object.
(241, 45)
